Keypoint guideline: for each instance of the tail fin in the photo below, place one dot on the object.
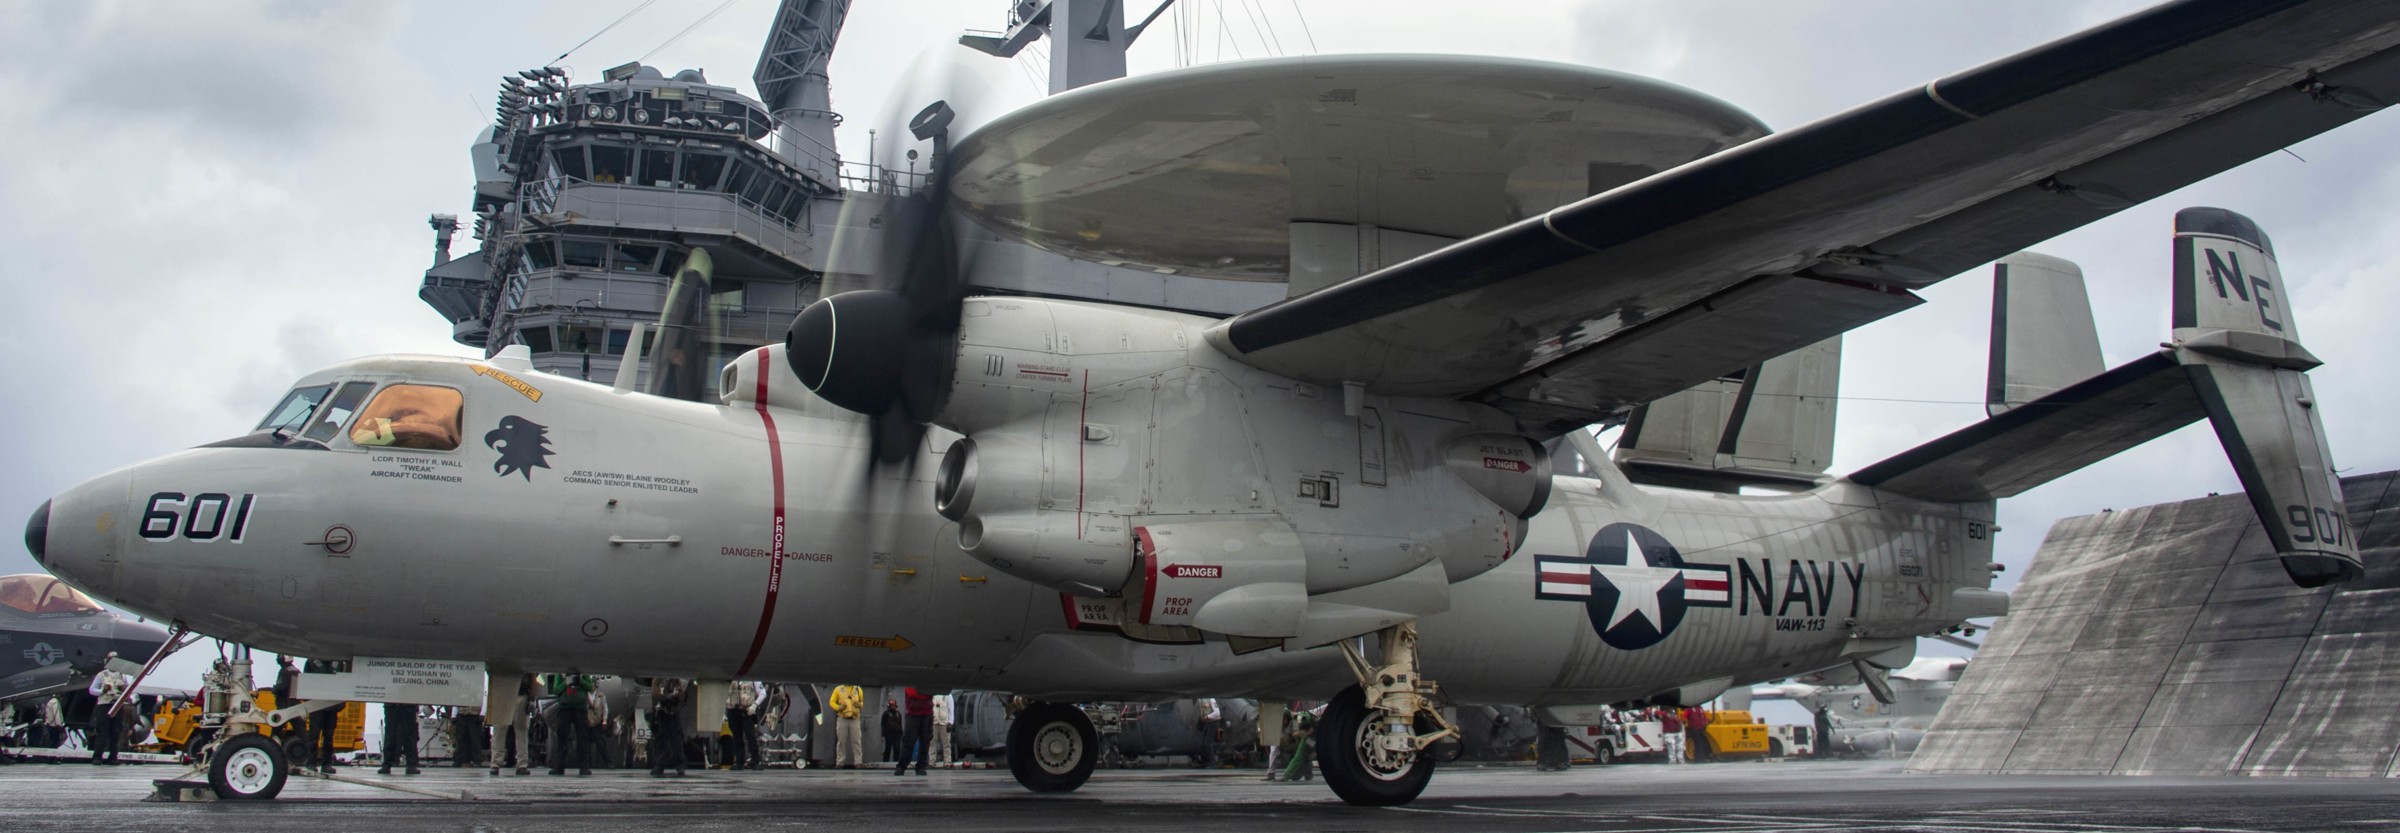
(1770, 425)
(2236, 360)
(2242, 349)
(2042, 333)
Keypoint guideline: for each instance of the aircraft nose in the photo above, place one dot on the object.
(74, 535)
(37, 533)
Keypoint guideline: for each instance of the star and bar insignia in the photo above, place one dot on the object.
(1633, 585)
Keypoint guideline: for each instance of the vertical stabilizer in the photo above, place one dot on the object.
(2043, 338)
(1771, 424)
(2241, 347)
(2236, 361)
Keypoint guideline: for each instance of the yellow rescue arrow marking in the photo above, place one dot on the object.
(896, 643)
(530, 392)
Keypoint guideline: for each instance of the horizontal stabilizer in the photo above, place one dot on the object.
(2234, 361)
(2045, 439)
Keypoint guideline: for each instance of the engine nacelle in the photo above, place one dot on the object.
(1113, 453)
(1509, 470)
(993, 489)
(1244, 577)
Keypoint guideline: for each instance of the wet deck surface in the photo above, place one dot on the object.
(1731, 798)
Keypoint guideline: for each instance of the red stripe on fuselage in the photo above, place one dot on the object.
(766, 616)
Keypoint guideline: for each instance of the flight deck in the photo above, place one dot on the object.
(1738, 797)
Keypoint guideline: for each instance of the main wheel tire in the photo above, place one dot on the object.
(250, 767)
(1052, 747)
(1342, 742)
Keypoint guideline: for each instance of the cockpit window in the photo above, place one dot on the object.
(39, 594)
(293, 411)
(339, 410)
(411, 416)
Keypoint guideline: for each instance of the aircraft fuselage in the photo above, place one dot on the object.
(578, 526)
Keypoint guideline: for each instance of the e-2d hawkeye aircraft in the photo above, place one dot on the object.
(1080, 500)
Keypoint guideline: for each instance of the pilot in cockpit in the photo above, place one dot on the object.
(401, 415)
(410, 416)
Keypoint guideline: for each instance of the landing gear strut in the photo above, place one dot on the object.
(1052, 747)
(1373, 744)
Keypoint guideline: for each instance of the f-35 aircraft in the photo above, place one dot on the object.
(53, 639)
(1071, 500)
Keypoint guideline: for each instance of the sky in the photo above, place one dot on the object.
(200, 203)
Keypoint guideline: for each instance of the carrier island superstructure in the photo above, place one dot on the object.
(589, 195)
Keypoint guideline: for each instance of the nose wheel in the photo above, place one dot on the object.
(1052, 747)
(247, 766)
(1376, 742)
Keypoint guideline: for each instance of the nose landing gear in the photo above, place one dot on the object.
(248, 767)
(1374, 742)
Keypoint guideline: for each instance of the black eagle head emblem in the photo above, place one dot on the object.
(523, 445)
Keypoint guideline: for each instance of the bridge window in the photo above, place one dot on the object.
(634, 258)
(537, 339)
(618, 337)
(701, 171)
(574, 339)
(570, 161)
(790, 209)
(411, 416)
(775, 198)
(294, 409)
(540, 254)
(658, 168)
(612, 164)
(743, 174)
(339, 410)
(582, 254)
(755, 191)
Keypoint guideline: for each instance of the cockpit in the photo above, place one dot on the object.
(363, 413)
(34, 594)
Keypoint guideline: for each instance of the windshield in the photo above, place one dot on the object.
(338, 412)
(295, 408)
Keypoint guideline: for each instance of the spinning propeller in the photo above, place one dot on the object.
(887, 352)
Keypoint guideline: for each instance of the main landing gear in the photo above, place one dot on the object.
(1374, 743)
(1052, 747)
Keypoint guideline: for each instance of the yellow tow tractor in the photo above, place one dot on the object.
(1735, 734)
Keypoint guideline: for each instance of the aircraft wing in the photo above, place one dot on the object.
(1580, 314)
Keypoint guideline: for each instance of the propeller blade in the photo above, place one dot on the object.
(679, 365)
